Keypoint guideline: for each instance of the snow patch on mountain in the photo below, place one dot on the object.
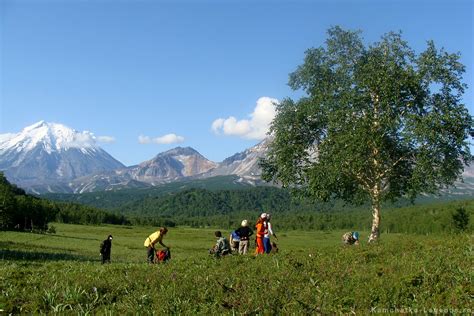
(51, 137)
(44, 156)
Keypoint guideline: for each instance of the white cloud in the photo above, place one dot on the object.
(169, 139)
(77, 139)
(105, 139)
(256, 127)
(88, 139)
(144, 139)
(166, 139)
(217, 125)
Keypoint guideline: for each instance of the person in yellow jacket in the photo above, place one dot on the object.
(156, 237)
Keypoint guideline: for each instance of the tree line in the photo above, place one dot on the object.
(227, 208)
(204, 203)
(21, 211)
(426, 219)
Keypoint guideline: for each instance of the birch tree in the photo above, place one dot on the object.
(377, 122)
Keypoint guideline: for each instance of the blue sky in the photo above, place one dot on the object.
(147, 73)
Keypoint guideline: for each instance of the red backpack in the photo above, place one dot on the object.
(163, 255)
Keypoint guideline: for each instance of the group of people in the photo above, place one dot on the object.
(263, 233)
(239, 241)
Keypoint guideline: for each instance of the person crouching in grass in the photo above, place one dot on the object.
(222, 247)
(351, 238)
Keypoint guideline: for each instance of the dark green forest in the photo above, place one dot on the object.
(20, 211)
(204, 203)
(191, 205)
(225, 208)
(203, 208)
(115, 199)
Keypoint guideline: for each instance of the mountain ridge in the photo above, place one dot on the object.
(50, 157)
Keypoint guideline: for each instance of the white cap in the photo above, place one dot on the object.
(264, 215)
(245, 223)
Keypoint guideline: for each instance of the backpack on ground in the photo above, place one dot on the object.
(163, 255)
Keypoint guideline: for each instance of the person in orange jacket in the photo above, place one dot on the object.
(260, 230)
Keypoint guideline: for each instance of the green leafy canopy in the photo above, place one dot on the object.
(378, 121)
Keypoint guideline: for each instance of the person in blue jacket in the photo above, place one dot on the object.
(234, 241)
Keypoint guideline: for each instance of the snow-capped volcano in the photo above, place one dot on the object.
(50, 157)
(51, 153)
(51, 136)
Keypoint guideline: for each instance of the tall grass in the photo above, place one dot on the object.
(312, 274)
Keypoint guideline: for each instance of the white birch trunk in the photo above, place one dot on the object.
(375, 232)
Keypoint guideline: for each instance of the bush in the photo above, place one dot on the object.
(52, 229)
(460, 219)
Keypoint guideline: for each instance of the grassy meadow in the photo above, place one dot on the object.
(312, 274)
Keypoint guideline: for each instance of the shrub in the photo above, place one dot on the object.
(460, 219)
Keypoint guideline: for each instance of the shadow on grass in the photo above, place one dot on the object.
(72, 237)
(39, 256)
(10, 251)
(44, 234)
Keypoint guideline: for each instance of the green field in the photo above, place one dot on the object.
(312, 274)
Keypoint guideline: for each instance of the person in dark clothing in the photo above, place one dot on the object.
(105, 249)
(244, 232)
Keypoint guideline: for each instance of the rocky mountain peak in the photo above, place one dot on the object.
(178, 151)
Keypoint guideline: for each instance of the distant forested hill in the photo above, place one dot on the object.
(223, 202)
(21, 211)
(201, 202)
(218, 195)
(118, 198)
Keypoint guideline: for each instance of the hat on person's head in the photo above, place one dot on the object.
(110, 237)
(264, 215)
(245, 223)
